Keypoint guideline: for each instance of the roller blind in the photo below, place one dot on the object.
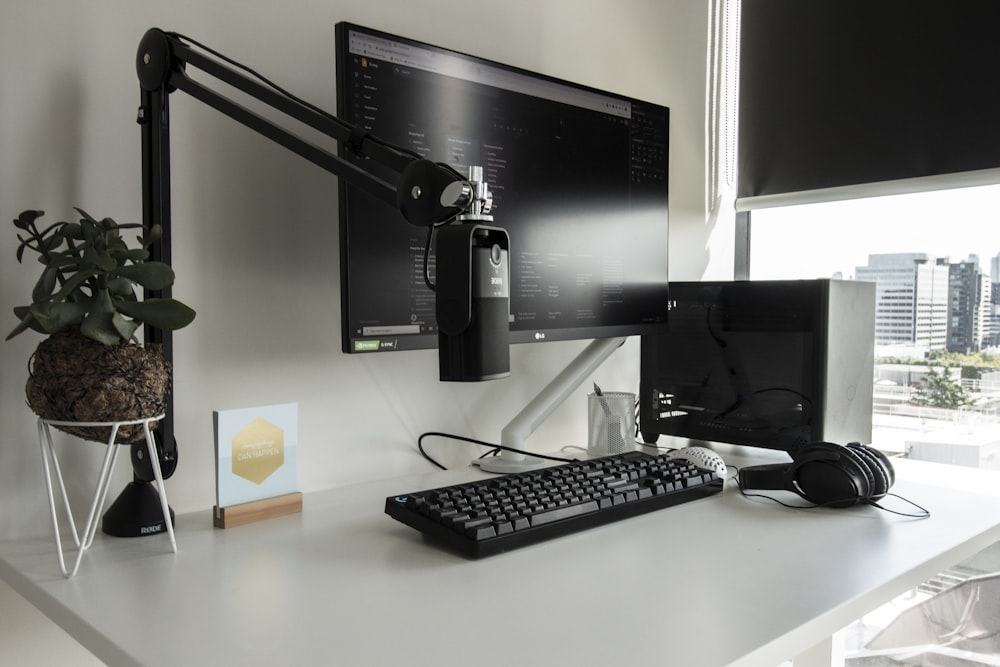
(844, 98)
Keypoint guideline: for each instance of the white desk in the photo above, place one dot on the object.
(722, 580)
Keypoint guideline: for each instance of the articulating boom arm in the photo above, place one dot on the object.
(427, 193)
(423, 195)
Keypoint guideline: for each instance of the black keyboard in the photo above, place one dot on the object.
(493, 515)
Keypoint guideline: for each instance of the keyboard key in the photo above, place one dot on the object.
(564, 512)
(481, 532)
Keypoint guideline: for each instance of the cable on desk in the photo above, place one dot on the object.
(494, 448)
(924, 512)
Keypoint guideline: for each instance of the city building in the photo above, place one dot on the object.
(987, 326)
(911, 298)
(993, 334)
(965, 314)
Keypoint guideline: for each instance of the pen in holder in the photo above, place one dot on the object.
(610, 422)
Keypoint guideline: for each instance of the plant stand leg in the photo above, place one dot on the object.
(161, 490)
(50, 463)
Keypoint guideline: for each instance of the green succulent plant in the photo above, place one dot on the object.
(89, 280)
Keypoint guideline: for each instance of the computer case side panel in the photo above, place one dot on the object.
(850, 363)
(773, 364)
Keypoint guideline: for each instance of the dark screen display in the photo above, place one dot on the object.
(579, 180)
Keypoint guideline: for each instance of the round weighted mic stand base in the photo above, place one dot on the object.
(136, 512)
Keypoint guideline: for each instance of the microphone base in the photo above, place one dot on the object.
(136, 512)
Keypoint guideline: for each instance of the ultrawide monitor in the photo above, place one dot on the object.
(579, 178)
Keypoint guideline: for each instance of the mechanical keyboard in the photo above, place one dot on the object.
(489, 516)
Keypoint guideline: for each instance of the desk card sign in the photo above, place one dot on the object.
(255, 452)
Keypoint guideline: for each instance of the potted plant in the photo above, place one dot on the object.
(91, 368)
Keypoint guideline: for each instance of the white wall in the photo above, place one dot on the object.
(255, 240)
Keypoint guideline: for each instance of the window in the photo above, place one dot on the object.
(935, 259)
(837, 108)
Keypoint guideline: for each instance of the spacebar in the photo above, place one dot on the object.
(563, 513)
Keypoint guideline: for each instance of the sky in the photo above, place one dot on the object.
(819, 240)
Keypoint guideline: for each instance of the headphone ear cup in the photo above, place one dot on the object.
(880, 482)
(890, 472)
(832, 475)
(885, 474)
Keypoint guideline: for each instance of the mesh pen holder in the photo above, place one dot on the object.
(610, 422)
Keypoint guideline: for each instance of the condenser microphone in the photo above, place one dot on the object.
(473, 303)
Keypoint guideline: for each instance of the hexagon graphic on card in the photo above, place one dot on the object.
(258, 450)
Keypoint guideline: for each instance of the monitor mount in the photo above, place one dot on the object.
(427, 194)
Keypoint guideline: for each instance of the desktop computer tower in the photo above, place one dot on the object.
(774, 364)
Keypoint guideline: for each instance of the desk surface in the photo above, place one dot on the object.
(721, 580)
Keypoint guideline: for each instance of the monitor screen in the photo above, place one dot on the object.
(579, 181)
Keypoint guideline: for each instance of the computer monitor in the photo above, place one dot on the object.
(578, 175)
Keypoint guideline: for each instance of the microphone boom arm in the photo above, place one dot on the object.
(427, 193)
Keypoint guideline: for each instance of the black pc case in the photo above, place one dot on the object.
(773, 364)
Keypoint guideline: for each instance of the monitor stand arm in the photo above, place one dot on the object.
(520, 428)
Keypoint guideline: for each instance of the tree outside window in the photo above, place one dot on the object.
(938, 390)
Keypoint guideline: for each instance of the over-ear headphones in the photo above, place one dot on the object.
(827, 474)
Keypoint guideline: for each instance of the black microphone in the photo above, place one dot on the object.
(473, 303)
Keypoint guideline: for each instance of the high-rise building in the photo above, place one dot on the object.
(985, 324)
(911, 298)
(965, 322)
(992, 335)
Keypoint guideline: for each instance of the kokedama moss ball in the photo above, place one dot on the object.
(75, 378)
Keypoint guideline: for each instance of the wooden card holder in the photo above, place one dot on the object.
(258, 510)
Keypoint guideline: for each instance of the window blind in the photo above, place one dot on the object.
(849, 98)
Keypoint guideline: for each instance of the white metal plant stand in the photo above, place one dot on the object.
(50, 462)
